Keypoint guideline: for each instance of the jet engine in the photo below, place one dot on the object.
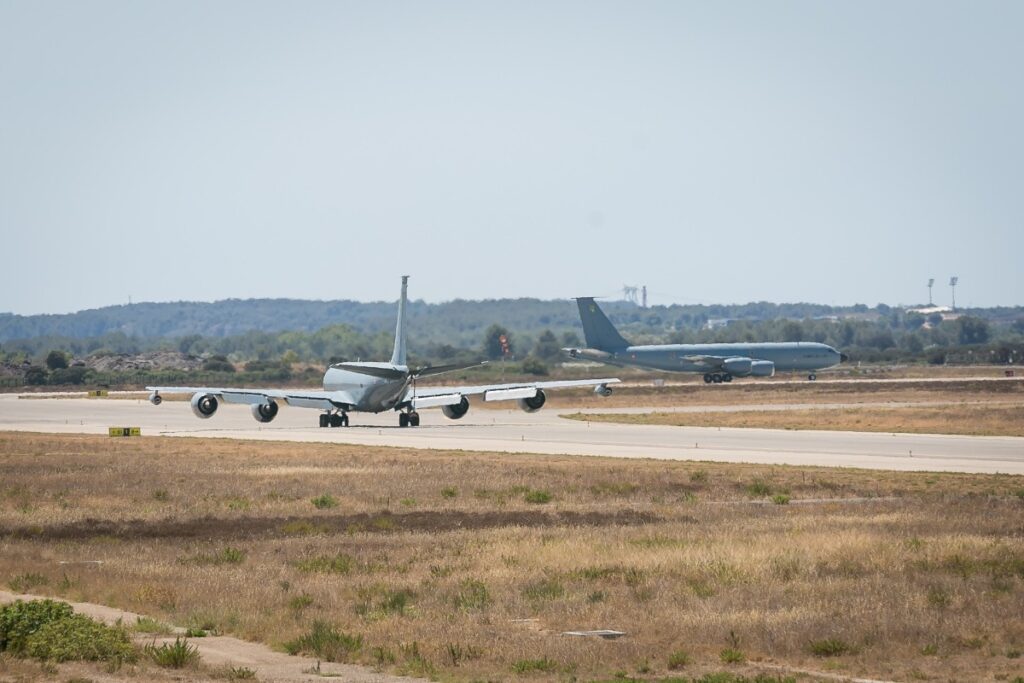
(762, 368)
(264, 412)
(532, 405)
(601, 390)
(738, 365)
(454, 412)
(204, 405)
(156, 399)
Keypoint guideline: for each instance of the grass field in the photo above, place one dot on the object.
(468, 566)
(976, 419)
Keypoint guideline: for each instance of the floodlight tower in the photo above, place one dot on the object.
(931, 281)
(952, 286)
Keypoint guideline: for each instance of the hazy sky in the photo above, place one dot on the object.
(714, 151)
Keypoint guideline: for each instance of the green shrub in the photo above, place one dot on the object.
(324, 564)
(228, 555)
(27, 581)
(78, 638)
(543, 664)
(300, 602)
(699, 476)
(537, 497)
(830, 647)
(780, 499)
(324, 502)
(759, 488)
(175, 655)
(678, 659)
(325, 642)
(21, 619)
(150, 625)
(731, 655)
(239, 673)
(472, 595)
(545, 589)
(449, 492)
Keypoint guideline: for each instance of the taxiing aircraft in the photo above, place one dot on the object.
(718, 362)
(375, 387)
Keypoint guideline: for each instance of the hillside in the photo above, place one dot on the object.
(459, 322)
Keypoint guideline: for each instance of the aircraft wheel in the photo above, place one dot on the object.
(716, 378)
(325, 420)
(344, 419)
(727, 377)
(414, 419)
(403, 419)
(337, 420)
(708, 378)
(812, 377)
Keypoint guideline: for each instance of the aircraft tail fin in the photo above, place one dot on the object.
(597, 328)
(398, 356)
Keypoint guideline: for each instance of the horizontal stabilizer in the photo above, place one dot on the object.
(382, 371)
(441, 369)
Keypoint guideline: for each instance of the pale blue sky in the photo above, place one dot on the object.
(716, 152)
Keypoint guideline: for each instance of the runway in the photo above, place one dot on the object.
(513, 431)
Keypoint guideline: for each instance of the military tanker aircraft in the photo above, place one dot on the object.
(373, 387)
(718, 362)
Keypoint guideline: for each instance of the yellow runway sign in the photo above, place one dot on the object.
(124, 431)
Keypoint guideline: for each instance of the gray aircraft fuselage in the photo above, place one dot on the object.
(718, 362)
(801, 356)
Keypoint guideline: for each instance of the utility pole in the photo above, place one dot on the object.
(952, 286)
(644, 295)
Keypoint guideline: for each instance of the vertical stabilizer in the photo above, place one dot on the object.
(398, 357)
(597, 329)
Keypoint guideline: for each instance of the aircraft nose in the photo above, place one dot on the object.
(843, 358)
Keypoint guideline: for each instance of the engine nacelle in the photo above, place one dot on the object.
(762, 368)
(264, 412)
(738, 366)
(603, 390)
(204, 405)
(454, 412)
(532, 405)
(156, 399)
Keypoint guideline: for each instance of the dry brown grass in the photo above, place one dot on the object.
(678, 554)
(986, 419)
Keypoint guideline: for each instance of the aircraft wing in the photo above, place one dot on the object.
(320, 400)
(427, 397)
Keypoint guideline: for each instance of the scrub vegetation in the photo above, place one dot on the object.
(884, 575)
(980, 419)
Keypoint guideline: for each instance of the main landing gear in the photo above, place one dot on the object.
(410, 419)
(811, 377)
(334, 419)
(717, 378)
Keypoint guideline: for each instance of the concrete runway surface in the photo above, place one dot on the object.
(514, 431)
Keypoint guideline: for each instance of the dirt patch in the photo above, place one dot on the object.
(276, 527)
